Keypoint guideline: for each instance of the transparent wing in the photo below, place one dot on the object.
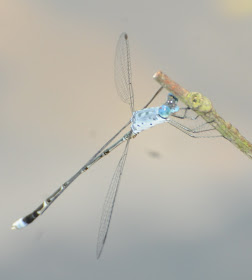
(192, 124)
(110, 201)
(123, 77)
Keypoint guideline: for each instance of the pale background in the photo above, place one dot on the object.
(185, 213)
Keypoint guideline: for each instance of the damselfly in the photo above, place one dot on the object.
(141, 120)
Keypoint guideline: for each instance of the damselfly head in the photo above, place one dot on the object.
(169, 107)
(172, 100)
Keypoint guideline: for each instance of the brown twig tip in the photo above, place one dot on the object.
(170, 85)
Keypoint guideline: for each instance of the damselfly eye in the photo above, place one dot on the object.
(164, 111)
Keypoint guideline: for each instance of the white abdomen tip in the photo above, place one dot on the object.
(19, 224)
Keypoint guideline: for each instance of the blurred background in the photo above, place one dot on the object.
(184, 206)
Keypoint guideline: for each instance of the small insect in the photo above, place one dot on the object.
(140, 121)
